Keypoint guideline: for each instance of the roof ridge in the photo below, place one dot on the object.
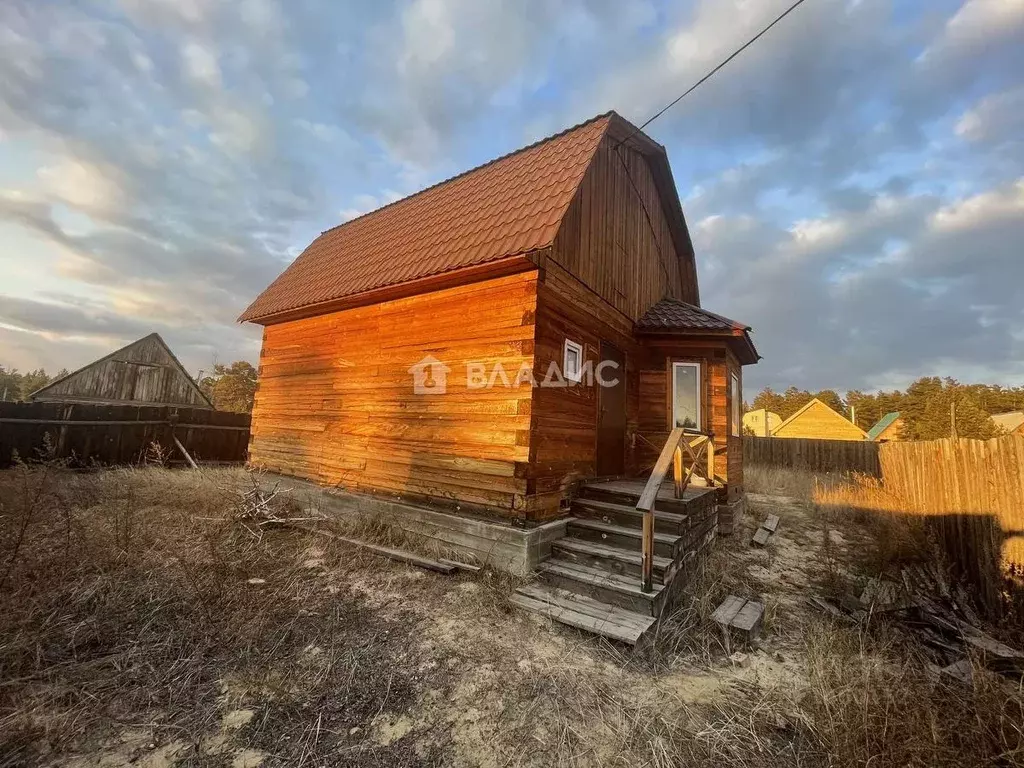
(468, 171)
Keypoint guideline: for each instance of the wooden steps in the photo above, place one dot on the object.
(619, 514)
(622, 536)
(592, 579)
(582, 612)
(612, 588)
(611, 558)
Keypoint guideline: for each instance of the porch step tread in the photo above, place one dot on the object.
(669, 519)
(600, 526)
(598, 577)
(583, 612)
(594, 549)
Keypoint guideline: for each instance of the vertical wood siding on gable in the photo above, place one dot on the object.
(335, 401)
(141, 373)
(605, 239)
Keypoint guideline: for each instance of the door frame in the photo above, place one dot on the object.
(621, 462)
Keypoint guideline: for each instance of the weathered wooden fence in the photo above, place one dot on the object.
(119, 434)
(813, 455)
(971, 490)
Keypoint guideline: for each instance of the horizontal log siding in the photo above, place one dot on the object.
(335, 401)
(655, 399)
(615, 237)
(564, 429)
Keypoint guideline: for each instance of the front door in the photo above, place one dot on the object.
(611, 419)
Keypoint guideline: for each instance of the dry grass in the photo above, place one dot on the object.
(134, 604)
(793, 483)
(130, 599)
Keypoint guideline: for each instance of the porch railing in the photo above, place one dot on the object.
(680, 446)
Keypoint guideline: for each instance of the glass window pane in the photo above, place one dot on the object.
(686, 395)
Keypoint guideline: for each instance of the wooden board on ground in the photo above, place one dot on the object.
(393, 554)
(771, 523)
(739, 616)
(761, 536)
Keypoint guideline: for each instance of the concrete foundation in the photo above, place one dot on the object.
(730, 516)
(482, 542)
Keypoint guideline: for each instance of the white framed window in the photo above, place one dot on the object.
(572, 361)
(686, 396)
(737, 398)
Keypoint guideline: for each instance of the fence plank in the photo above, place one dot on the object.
(813, 455)
(119, 434)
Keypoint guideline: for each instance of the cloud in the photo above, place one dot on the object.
(852, 181)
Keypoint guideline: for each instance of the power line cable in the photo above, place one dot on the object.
(709, 75)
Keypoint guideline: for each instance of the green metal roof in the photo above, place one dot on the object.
(883, 423)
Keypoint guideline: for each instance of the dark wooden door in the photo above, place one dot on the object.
(611, 417)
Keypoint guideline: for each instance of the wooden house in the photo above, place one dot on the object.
(761, 422)
(493, 343)
(819, 422)
(889, 428)
(145, 372)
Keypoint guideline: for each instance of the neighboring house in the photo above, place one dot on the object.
(817, 421)
(1010, 423)
(145, 372)
(761, 422)
(889, 428)
(520, 285)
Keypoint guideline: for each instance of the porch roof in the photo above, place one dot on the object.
(678, 318)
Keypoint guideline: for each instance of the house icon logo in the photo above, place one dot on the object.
(429, 376)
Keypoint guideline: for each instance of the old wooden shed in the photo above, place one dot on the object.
(144, 372)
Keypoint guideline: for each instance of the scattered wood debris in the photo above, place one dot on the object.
(739, 617)
(765, 531)
(258, 508)
(923, 601)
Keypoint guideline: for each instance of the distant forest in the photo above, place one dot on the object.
(924, 406)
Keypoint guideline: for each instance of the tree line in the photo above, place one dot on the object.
(230, 387)
(925, 406)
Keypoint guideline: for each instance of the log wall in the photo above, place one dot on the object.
(335, 402)
(565, 420)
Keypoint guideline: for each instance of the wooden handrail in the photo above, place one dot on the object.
(671, 454)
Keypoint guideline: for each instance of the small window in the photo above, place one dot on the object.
(572, 362)
(737, 398)
(686, 396)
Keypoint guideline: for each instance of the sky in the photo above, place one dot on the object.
(853, 182)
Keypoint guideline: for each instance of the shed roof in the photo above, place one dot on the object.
(1010, 422)
(672, 316)
(883, 424)
(508, 207)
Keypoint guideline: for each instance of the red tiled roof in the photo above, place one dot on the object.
(672, 314)
(507, 207)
